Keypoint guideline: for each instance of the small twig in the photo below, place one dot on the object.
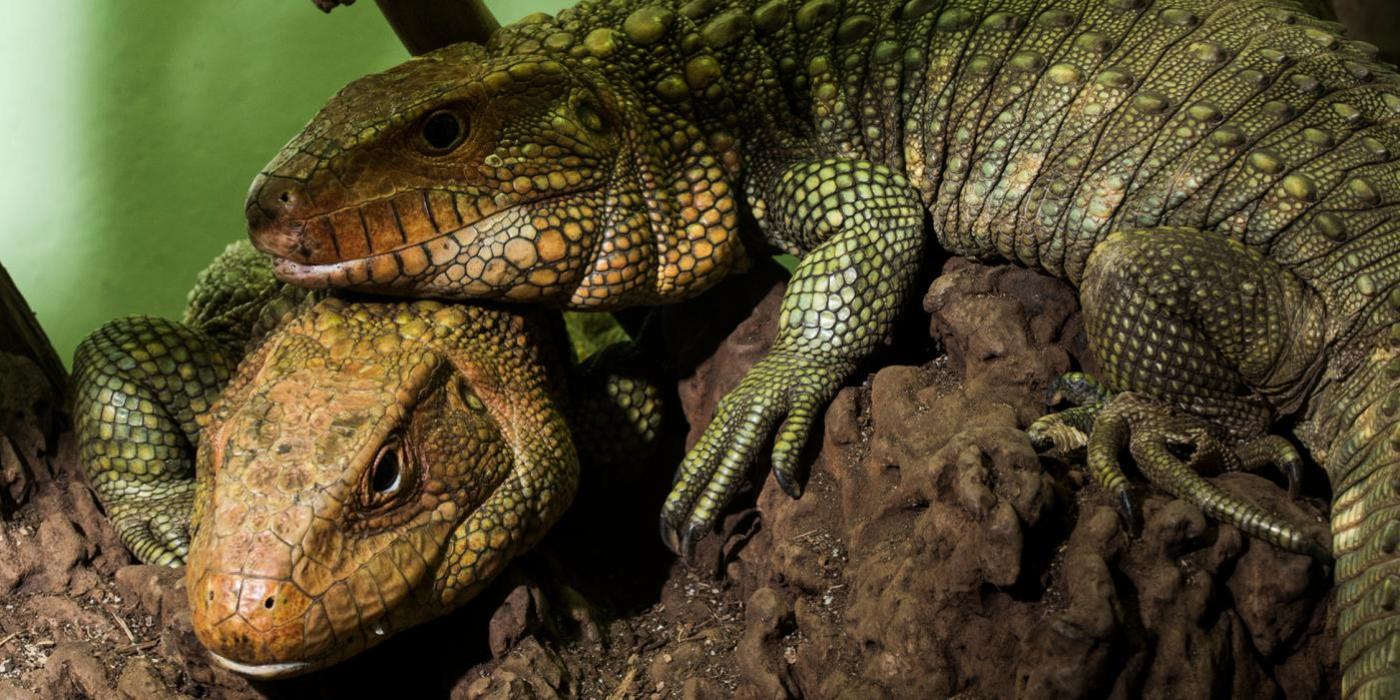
(139, 646)
(7, 638)
(624, 689)
(120, 623)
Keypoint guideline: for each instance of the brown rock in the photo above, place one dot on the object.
(517, 617)
(72, 670)
(13, 692)
(768, 618)
(139, 681)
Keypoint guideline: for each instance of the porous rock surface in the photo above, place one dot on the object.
(931, 555)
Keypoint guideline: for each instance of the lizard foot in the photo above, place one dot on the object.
(1155, 436)
(1065, 433)
(1275, 451)
(155, 528)
(787, 387)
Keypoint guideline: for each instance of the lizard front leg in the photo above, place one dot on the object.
(144, 388)
(858, 228)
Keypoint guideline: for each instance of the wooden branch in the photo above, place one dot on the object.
(424, 25)
(21, 334)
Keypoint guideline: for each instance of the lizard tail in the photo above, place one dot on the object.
(1364, 464)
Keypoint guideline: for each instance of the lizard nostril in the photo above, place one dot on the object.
(275, 197)
(268, 603)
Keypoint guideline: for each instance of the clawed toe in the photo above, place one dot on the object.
(1153, 434)
(1127, 510)
(669, 536)
(779, 392)
(1274, 450)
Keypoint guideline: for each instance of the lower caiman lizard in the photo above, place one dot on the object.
(365, 467)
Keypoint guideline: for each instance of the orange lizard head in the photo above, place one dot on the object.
(371, 466)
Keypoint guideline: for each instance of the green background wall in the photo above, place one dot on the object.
(131, 130)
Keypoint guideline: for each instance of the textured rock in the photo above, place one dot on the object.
(933, 553)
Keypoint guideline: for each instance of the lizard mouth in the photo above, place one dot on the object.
(284, 669)
(408, 265)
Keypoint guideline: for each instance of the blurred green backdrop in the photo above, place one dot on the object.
(131, 131)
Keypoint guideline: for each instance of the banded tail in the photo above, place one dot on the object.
(1364, 465)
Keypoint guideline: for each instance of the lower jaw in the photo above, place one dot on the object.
(314, 276)
(263, 671)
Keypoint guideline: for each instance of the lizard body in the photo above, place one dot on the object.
(367, 466)
(1220, 181)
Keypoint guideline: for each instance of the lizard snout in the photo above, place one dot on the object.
(255, 626)
(277, 223)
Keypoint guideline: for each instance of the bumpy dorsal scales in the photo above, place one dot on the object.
(1071, 136)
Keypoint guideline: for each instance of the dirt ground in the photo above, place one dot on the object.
(931, 555)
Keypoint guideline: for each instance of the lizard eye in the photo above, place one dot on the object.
(463, 396)
(443, 131)
(588, 115)
(387, 473)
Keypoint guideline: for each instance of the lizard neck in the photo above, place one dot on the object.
(679, 73)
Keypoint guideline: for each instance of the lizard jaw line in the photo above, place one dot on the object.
(316, 276)
(262, 671)
(320, 275)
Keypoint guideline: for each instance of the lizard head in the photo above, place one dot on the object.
(476, 173)
(371, 466)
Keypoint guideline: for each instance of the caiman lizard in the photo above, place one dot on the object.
(365, 467)
(1218, 179)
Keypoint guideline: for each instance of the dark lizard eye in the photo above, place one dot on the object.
(463, 396)
(388, 472)
(588, 115)
(443, 131)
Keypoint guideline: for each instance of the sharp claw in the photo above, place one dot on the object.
(692, 532)
(668, 536)
(1293, 470)
(1319, 553)
(1040, 442)
(789, 485)
(1131, 520)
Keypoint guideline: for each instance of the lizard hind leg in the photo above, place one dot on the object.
(1206, 341)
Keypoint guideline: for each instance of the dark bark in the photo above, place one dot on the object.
(33, 395)
(21, 334)
(424, 25)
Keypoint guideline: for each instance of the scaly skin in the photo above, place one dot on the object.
(1219, 179)
(366, 467)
